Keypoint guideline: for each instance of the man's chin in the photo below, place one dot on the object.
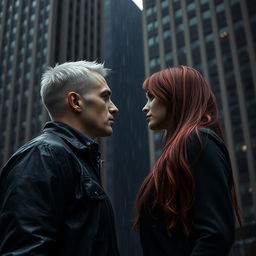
(107, 132)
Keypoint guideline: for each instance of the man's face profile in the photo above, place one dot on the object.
(99, 110)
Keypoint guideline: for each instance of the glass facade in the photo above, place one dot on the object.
(218, 38)
(20, 39)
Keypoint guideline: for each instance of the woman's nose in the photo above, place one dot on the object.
(145, 108)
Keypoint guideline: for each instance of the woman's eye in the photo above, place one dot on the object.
(150, 96)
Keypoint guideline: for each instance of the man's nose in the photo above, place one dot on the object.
(113, 108)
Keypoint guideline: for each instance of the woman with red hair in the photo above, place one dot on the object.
(186, 204)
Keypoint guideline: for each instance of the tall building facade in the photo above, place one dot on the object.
(126, 151)
(35, 34)
(217, 37)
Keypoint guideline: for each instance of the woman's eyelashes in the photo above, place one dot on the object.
(149, 96)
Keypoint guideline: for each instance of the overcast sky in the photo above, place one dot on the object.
(138, 2)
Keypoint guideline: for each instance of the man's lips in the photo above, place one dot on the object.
(111, 120)
(148, 117)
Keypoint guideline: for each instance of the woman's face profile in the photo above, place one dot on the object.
(156, 112)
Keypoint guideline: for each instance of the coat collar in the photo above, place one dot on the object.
(71, 135)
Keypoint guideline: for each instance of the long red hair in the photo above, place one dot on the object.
(192, 104)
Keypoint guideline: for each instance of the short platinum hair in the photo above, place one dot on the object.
(57, 81)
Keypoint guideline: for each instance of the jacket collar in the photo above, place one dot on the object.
(69, 134)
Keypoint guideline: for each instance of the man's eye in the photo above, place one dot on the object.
(106, 97)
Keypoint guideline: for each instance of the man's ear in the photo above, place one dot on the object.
(74, 101)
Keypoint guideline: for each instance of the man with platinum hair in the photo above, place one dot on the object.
(51, 198)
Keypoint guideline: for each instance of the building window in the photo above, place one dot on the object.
(151, 10)
(212, 62)
(153, 40)
(154, 62)
(164, 4)
(44, 52)
(26, 9)
(12, 44)
(14, 30)
(242, 50)
(17, 3)
(27, 77)
(193, 21)
(31, 32)
(178, 13)
(29, 60)
(232, 2)
(30, 45)
(220, 7)
(206, 14)
(209, 38)
(180, 27)
(181, 50)
(168, 56)
(15, 16)
(204, 1)
(222, 30)
(24, 23)
(9, 73)
(10, 9)
(166, 19)
(32, 17)
(22, 50)
(7, 103)
(11, 58)
(152, 25)
(191, 6)
(239, 24)
(166, 33)
(34, 4)
(195, 44)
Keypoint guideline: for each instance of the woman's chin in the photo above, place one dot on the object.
(154, 127)
(157, 126)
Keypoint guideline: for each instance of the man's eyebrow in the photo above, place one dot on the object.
(106, 92)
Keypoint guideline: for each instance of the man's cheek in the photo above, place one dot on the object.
(101, 110)
(92, 101)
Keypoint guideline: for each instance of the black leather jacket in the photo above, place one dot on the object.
(51, 199)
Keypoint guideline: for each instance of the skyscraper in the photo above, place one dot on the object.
(217, 37)
(35, 34)
(126, 151)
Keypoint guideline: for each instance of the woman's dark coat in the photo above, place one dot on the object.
(212, 212)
